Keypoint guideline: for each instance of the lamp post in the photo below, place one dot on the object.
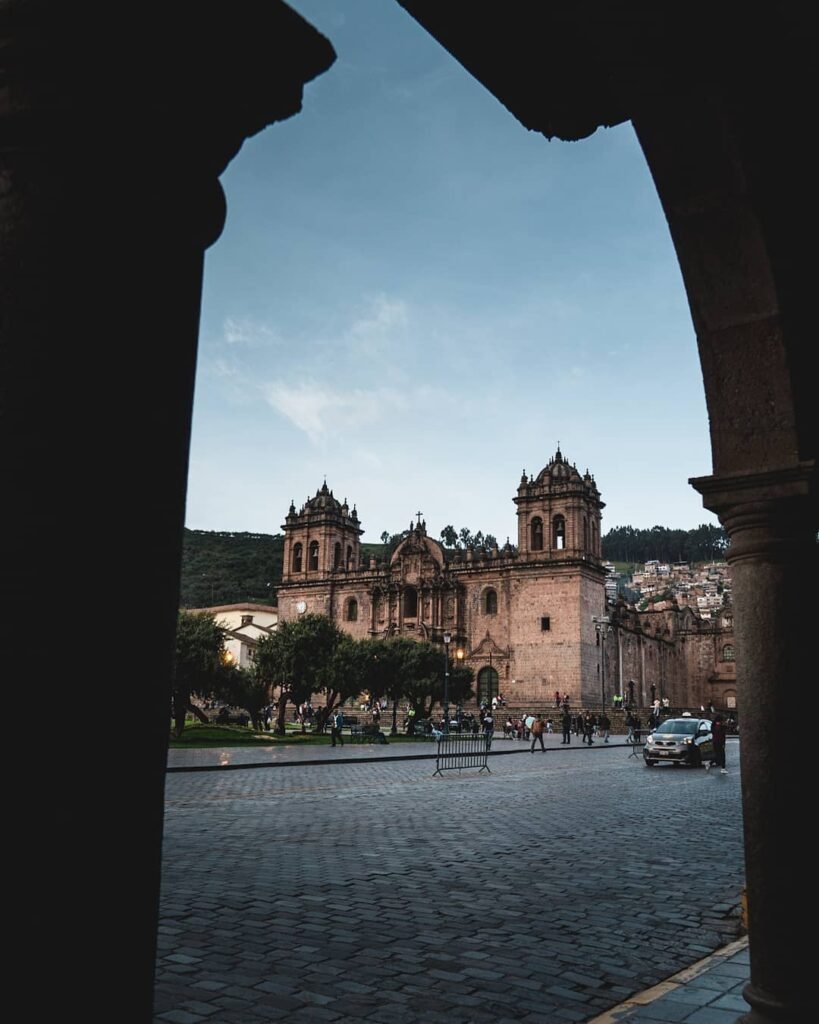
(460, 654)
(447, 642)
(603, 627)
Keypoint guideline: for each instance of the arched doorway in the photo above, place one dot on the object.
(488, 684)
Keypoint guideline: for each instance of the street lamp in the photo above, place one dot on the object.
(460, 654)
(447, 642)
(603, 627)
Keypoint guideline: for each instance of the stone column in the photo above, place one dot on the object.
(772, 520)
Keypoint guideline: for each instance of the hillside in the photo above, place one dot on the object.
(228, 568)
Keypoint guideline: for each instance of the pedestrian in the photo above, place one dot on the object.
(550, 726)
(588, 728)
(604, 726)
(488, 728)
(557, 698)
(566, 722)
(718, 733)
(537, 733)
(630, 724)
(337, 724)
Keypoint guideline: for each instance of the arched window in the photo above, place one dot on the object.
(537, 534)
(410, 603)
(349, 556)
(352, 610)
(337, 556)
(297, 549)
(313, 563)
(558, 533)
(728, 652)
(490, 602)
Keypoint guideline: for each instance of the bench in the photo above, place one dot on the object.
(240, 719)
(366, 734)
(421, 731)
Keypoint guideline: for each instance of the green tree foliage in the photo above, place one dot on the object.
(345, 675)
(465, 540)
(298, 659)
(449, 537)
(229, 568)
(199, 668)
(242, 688)
(707, 543)
(388, 664)
(423, 683)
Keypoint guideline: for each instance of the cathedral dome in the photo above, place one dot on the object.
(323, 501)
(559, 470)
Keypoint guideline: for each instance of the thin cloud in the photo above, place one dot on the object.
(248, 332)
(320, 412)
(377, 332)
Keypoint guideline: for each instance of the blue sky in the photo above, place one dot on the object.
(417, 299)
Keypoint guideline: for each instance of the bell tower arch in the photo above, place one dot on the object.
(321, 539)
(559, 513)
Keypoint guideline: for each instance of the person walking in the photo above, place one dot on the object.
(604, 726)
(537, 729)
(337, 724)
(488, 728)
(718, 734)
(588, 728)
(566, 722)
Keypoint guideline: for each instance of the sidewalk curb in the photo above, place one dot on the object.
(651, 995)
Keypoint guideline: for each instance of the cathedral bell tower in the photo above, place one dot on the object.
(321, 539)
(559, 514)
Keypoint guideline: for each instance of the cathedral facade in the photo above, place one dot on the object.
(524, 619)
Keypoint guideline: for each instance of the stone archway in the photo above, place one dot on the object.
(111, 196)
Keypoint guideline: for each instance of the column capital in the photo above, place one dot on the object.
(770, 514)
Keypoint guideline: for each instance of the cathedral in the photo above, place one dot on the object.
(525, 619)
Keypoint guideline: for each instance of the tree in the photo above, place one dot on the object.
(296, 658)
(449, 537)
(244, 689)
(199, 664)
(344, 675)
(222, 568)
(423, 679)
(387, 667)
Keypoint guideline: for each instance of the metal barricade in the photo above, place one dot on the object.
(460, 751)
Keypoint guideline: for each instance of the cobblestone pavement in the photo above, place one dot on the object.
(555, 888)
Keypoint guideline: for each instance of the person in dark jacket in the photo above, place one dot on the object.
(538, 727)
(566, 721)
(718, 733)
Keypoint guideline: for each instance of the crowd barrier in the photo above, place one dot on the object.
(457, 750)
